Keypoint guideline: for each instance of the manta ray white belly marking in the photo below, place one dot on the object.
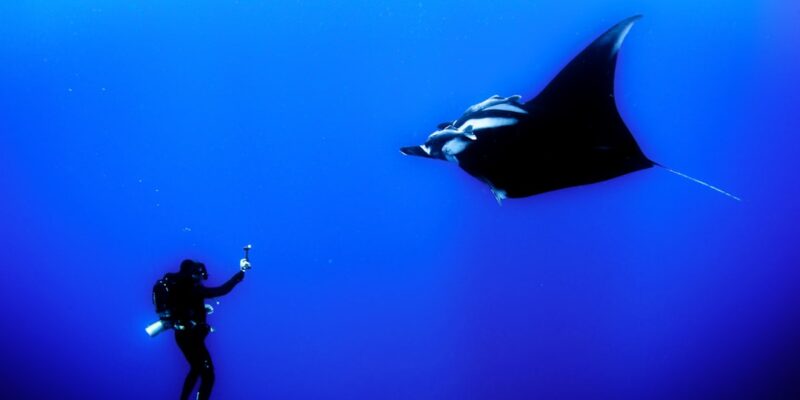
(487, 123)
(491, 102)
(453, 147)
(507, 107)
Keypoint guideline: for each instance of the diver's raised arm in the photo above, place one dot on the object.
(225, 288)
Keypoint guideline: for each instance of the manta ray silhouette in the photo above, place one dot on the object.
(570, 134)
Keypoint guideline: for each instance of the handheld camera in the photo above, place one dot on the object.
(244, 264)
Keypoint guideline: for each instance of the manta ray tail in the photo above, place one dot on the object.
(712, 187)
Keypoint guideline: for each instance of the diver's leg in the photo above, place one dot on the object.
(189, 383)
(206, 380)
(188, 345)
(206, 370)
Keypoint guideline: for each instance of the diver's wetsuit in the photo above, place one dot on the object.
(191, 340)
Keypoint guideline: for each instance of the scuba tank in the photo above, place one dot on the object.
(165, 298)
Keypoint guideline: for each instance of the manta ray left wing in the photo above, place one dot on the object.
(580, 99)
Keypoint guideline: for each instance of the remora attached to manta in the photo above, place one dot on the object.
(570, 134)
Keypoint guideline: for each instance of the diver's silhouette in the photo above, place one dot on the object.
(188, 317)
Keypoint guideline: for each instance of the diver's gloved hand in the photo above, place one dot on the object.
(244, 265)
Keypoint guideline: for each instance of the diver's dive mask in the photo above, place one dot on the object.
(199, 271)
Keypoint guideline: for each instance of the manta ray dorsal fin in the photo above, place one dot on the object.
(588, 80)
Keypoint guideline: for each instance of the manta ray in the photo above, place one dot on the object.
(570, 134)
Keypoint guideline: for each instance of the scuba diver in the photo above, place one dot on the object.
(179, 298)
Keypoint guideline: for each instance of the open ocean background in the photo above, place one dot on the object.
(134, 134)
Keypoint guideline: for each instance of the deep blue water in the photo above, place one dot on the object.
(136, 134)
